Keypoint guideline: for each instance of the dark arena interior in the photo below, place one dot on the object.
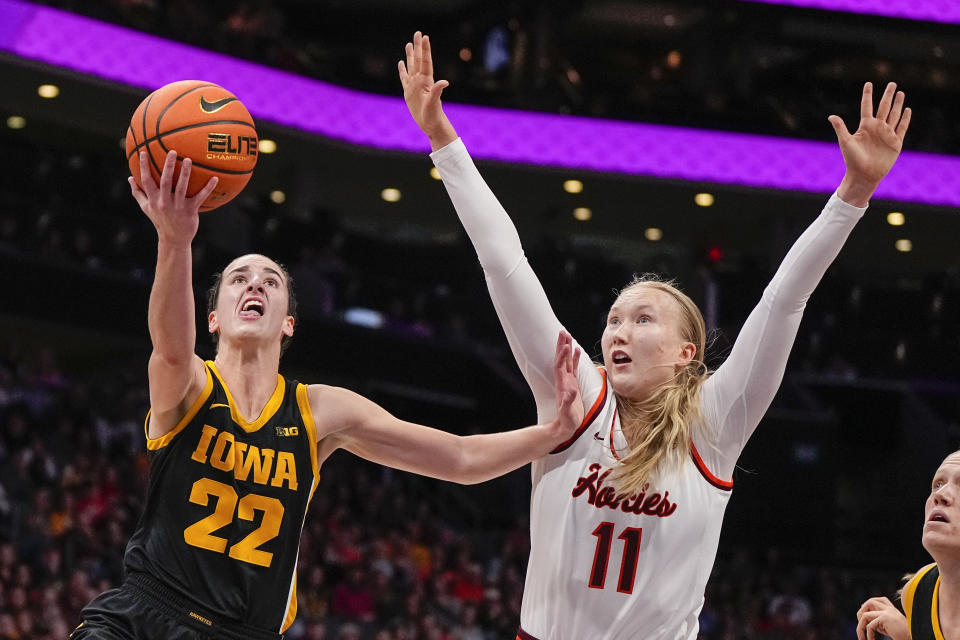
(827, 508)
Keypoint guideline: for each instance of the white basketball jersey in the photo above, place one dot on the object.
(603, 568)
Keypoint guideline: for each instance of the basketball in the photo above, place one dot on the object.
(201, 121)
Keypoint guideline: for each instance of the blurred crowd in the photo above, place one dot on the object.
(380, 556)
(852, 329)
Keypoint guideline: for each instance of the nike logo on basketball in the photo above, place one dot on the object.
(216, 105)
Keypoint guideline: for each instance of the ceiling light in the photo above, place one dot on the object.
(434, 173)
(16, 122)
(390, 194)
(466, 54)
(48, 91)
(653, 234)
(572, 186)
(704, 199)
(266, 146)
(903, 245)
(895, 219)
(277, 196)
(582, 214)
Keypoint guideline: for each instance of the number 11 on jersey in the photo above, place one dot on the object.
(601, 558)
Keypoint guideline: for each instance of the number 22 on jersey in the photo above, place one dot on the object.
(628, 562)
(199, 533)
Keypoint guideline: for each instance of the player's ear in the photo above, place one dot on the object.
(288, 323)
(212, 325)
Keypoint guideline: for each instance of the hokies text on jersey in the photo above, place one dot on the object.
(600, 495)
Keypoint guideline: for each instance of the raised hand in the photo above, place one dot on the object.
(567, 390)
(422, 93)
(175, 216)
(870, 152)
(878, 615)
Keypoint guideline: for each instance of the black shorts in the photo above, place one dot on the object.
(143, 609)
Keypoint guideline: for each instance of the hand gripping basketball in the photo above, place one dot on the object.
(201, 121)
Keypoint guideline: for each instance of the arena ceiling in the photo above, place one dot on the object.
(742, 67)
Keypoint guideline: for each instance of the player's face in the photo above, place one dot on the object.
(253, 299)
(642, 344)
(941, 523)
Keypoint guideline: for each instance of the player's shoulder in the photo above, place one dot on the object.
(910, 588)
(335, 408)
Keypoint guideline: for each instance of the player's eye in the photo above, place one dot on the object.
(271, 282)
(238, 279)
(644, 319)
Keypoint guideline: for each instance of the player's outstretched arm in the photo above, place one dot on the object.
(752, 373)
(356, 424)
(517, 295)
(176, 373)
(879, 615)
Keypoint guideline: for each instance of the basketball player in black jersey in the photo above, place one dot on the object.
(236, 449)
(931, 597)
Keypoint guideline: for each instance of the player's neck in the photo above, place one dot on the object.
(949, 598)
(251, 376)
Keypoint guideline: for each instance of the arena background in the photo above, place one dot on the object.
(647, 104)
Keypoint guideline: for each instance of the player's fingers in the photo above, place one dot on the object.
(408, 49)
(147, 183)
(576, 358)
(427, 59)
(183, 179)
(166, 176)
(839, 127)
(897, 109)
(904, 122)
(204, 193)
(138, 193)
(886, 102)
(866, 101)
(418, 52)
(402, 71)
(437, 90)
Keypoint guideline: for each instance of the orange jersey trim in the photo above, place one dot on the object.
(589, 417)
(725, 485)
(158, 443)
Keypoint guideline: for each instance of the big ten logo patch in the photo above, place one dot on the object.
(288, 431)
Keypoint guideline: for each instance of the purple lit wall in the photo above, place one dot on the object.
(931, 10)
(140, 60)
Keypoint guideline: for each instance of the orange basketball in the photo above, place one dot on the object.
(201, 121)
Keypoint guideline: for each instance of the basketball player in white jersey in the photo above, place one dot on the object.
(625, 516)
(931, 597)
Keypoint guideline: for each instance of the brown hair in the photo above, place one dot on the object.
(660, 427)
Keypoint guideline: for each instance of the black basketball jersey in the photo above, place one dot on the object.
(920, 604)
(226, 503)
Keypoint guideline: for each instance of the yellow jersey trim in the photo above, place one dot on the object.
(935, 610)
(303, 402)
(911, 589)
(268, 410)
(158, 443)
(292, 606)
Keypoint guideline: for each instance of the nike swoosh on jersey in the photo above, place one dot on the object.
(597, 436)
(216, 105)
